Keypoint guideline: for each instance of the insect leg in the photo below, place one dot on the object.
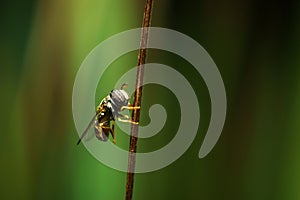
(130, 107)
(112, 130)
(126, 120)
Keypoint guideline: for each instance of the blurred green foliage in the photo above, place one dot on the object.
(256, 46)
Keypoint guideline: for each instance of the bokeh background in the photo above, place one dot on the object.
(254, 43)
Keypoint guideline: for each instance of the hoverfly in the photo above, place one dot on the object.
(108, 110)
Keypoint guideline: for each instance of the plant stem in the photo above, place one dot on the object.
(138, 98)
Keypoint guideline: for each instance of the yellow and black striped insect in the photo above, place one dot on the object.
(108, 110)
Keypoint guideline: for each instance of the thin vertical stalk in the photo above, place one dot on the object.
(138, 98)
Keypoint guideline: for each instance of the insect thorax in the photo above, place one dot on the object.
(114, 102)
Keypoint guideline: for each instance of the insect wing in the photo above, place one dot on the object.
(86, 131)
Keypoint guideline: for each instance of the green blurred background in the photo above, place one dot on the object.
(254, 43)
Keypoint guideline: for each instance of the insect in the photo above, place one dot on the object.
(108, 110)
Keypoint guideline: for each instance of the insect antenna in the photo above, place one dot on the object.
(86, 130)
(124, 85)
